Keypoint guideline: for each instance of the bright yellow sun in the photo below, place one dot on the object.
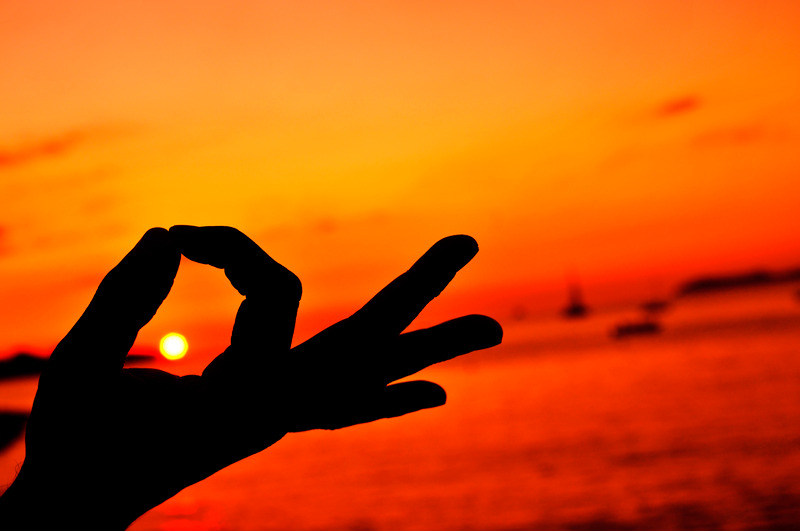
(173, 346)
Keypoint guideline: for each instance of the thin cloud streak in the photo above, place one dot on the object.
(740, 135)
(57, 145)
(678, 106)
(4, 247)
(41, 149)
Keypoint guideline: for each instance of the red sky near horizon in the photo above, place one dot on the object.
(627, 144)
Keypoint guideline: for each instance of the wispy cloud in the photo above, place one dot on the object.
(56, 145)
(42, 148)
(3, 240)
(739, 135)
(678, 106)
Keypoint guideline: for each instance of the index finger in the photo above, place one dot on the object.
(125, 301)
(250, 270)
(265, 320)
(395, 306)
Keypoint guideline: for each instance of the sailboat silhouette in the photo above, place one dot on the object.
(576, 307)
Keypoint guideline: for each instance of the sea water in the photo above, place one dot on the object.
(563, 427)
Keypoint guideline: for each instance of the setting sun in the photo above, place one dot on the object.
(173, 346)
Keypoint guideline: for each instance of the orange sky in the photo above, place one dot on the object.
(620, 142)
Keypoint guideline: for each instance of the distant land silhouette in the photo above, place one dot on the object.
(22, 364)
(711, 284)
(12, 424)
(27, 364)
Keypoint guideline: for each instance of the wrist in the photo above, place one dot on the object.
(13, 507)
(22, 508)
(30, 503)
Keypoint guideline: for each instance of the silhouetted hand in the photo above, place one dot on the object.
(106, 444)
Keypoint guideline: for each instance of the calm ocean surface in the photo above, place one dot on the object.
(561, 428)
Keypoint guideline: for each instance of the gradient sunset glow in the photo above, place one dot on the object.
(625, 144)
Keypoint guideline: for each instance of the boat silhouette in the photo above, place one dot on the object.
(576, 307)
(646, 326)
(654, 306)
